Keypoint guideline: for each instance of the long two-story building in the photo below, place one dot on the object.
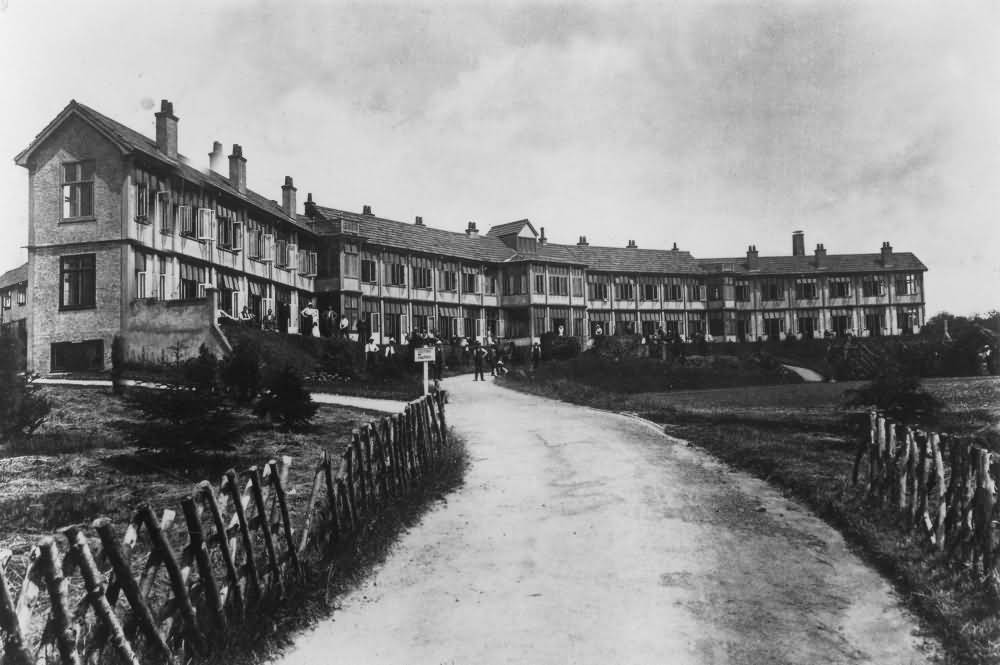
(127, 237)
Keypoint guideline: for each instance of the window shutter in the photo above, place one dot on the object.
(237, 236)
(206, 220)
(293, 256)
(131, 201)
(267, 250)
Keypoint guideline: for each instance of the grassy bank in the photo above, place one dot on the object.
(796, 438)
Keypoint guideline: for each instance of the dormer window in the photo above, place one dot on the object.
(78, 189)
(526, 245)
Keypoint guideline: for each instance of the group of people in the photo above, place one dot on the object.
(327, 323)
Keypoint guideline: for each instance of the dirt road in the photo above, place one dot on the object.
(585, 537)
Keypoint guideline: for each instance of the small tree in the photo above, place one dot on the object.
(241, 372)
(22, 409)
(285, 399)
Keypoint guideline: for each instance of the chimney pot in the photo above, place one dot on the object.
(631, 244)
(752, 257)
(418, 221)
(310, 206)
(886, 253)
(366, 210)
(583, 241)
(288, 203)
(166, 129)
(472, 231)
(215, 157)
(798, 243)
(674, 248)
(238, 169)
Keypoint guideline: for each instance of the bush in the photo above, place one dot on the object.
(22, 409)
(202, 373)
(180, 416)
(897, 393)
(285, 399)
(555, 347)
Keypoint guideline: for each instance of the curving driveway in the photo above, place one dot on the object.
(587, 537)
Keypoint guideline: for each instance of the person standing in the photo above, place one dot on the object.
(438, 360)
(328, 324)
(536, 354)
(345, 326)
(310, 320)
(478, 355)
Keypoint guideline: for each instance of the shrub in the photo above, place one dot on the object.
(897, 393)
(555, 347)
(241, 371)
(22, 409)
(285, 399)
(202, 373)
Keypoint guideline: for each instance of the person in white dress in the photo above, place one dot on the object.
(311, 314)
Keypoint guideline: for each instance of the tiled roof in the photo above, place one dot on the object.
(130, 139)
(15, 276)
(832, 263)
(426, 239)
(510, 228)
(635, 260)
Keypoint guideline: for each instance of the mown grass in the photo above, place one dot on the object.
(798, 438)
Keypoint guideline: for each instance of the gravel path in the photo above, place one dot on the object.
(587, 537)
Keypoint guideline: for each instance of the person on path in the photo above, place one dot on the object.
(438, 360)
(478, 356)
(536, 354)
(371, 352)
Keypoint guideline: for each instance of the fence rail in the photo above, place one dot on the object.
(942, 487)
(239, 547)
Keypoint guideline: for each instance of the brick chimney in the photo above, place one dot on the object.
(238, 169)
(166, 129)
(471, 231)
(632, 245)
(288, 196)
(753, 257)
(541, 238)
(820, 253)
(674, 248)
(417, 221)
(215, 157)
(583, 242)
(798, 243)
(366, 210)
(886, 253)
(310, 206)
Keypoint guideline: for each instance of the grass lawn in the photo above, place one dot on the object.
(795, 437)
(82, 463)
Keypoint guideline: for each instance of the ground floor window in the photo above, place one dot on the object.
(716, 326)
(696, 326)
(648, 328)
(773, 328)
(807, 326)
(447, 327)
(874, 323)
(907, 319)
(840, 324)
(77, 356)
(742, 329)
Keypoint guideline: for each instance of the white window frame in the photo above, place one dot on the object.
(161, 213)
(206, 224)
(267, 249)
(185, 217)
(237, 237)
(141, 284)
(292, 250)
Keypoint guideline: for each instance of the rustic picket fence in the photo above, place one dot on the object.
(941, 486)
(237, 552)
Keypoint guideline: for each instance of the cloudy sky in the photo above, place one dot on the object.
(713, 125)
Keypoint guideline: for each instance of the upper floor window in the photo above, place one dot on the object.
(872, 286)
(5, 301)
(650, 292)
(558, 286)
(772, 289)
(78, 288)
(715, 292)
(421, 277)
(673, 292)
(696, 290)
(840, 288)
(78, 189)
(142, 203)
(906, 285)
(352, 262)
(597, 290)
(469, 283)
(625, 291)
(368, 271)
(22, 295)
(805, 290)
(539, 283)
(449, 280)
(577, 287)
(397, 274)
(742, 292)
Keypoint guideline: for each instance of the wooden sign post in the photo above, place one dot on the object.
(425, 355)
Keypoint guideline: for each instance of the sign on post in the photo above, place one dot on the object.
(425, 355)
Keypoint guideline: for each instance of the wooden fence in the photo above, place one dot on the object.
(943, 487)
(185, 584)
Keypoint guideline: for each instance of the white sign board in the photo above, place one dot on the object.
(423, 354)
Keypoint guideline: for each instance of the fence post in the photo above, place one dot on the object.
(336, 527)
(985, 497)
(902, 475)
(279, 493)
(912, 470)
(352, 504)
(13, 647)
(57, 584)
(196, 543)
(942, 505)
(922, 487)
(126, 582)
(365, 437)
(265, 529)
(231, 487)
(180, 589)
(872, 443)
(311, 507)
(80, 551)
(208, 499)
